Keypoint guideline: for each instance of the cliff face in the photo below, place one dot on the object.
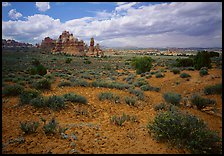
(48, 43)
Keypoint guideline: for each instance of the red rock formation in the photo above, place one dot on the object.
(48, 43)
(66, 43)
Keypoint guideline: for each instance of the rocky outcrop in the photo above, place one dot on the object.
(67, 43)
(48, 43)
(94, 51)
(13, 43)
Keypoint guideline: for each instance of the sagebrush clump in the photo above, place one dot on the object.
(185, 130)
(172, 98)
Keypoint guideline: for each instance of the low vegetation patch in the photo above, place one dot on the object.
(201, 102)
(12, 90)
(149, 88)
(43, 84)
(27, 95)
(130, 100)
(142, 64)
(50, 127)
(176, 71)
(137, 92)
(159, 75)
(203, 71)
(184, 75)
(172, 98)
(119, 120)
(213, 89)
(72, 97)
(55, 102)
(185, 130)
(29, 127)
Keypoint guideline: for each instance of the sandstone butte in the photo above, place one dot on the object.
(68, 44)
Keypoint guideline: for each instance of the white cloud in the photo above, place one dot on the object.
(13, 14)
(5, 4)
(159, 25)
(125, 6)
(43, 6)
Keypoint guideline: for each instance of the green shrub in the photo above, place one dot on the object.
(172, 98)
(105, 96)
(50, 127)
(68, 60)
(43, 84)
(75, 98)
(80, 82)
(202, 59)
(201, 102)
(149, 88)
(130, 100)
(87, 62)
(27, 95)
(41, 70)
(184, 75)
(138, 93)
(160, 106)
(186, 62)
(29, 127)
(38, 102)
(140, 82)
(176, 71)
(35, 62)
(185, 130)
(203, 71)
(55, 102)
(159, 75)
(142, 64)
(119, 120)
(12, 90)
(64, 83)
(213, 89)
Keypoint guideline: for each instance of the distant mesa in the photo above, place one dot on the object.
(12, 44)
(68, 44)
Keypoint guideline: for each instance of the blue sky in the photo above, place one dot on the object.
(117, 24)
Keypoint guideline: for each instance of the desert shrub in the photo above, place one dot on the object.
(105, 95)
(87, 62)
(149, 88)
(185, 130)
(190, 68)
(64, 83)
(119, 120)
(12, 90)
(55, 102)
(213, 54)
(140, 82)
(50, 127)
(159, 75)
(186, 62)
(29, 127)
(68, 60)
(80, 82)
(213, 89)
(75, 98)
(160, 106)
(108, 84)
(38, 102)
(184, 75)
(138, 93)
(172, 98)
(142, 64)
(176, 71)
(130, 100)
(201, 102)
(41, 70)
(43, 84)
(27, 95)
(117, 99)
(203, 71)
(202, 59)
(35, 62)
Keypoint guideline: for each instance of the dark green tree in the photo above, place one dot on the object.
(142, 64)
(202, 59)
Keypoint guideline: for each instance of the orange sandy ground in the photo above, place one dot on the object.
(94, 131)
